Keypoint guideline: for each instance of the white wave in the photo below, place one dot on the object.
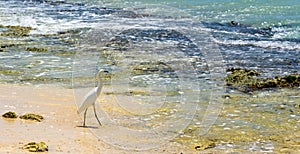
(286, 45)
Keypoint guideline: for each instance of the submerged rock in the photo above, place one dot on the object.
(16, 31)
(234, 26)
(10, 114)
(136, 36)
(240, 76)
(248, 80)
(205, 145)
(9, 72)
(35, 49)
(151, 67)
(31, 116)
(36, 147)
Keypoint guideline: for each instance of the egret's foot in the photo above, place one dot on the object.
(98, 120)
(99, 123)
(84, 125)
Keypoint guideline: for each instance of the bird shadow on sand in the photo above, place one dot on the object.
(93, 127)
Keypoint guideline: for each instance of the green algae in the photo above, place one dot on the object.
(249, 80)
(241, 76)
(44, 79)
(10, 114)
(31, 116)
(10, 72)
(150, 67)
(36, 147)
(260, 118)
(16, 31)
(204, 144)
(35, 49)
(54, 45)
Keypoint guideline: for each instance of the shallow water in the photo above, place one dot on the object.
(251, 44)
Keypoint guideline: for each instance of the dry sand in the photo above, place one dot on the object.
(59, 129)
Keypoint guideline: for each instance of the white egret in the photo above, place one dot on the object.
(90, 98)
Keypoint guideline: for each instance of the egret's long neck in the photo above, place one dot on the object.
(100, 84)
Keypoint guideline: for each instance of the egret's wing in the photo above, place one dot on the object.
(88, 100)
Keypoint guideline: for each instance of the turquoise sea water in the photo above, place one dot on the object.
(254, 12)
(268, 29)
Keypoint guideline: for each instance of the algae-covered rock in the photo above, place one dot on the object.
(9, 71)
(241, 76)
(10, 114)
(36, 147)
(205, 145)
(14, 31)
(31, 116)
(197, 143)
(151, 67)
(248, 80)
(35, 49)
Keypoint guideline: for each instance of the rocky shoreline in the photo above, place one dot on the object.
(247, 80)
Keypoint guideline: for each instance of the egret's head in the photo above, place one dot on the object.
(100, 72)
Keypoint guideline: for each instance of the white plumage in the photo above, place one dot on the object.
(90, 98)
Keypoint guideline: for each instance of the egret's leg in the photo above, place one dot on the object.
(96, 115)
(84, 117)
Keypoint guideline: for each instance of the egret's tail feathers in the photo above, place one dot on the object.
(80, 110)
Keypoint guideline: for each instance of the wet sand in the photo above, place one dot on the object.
(59, 130)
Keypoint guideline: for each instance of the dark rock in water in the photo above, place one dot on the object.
(31, 116)
(53, 2)
(129, 14)
(10, 114)
(156, 34)
(242, 79)
(79, 8)
(234, 26)
(36, 147)
(7, 45)
(183, 43)
(35, 49)
(103, 10)
(145, 68)
(233, 23)
(248, 80)
(292, 80)
(205, 145)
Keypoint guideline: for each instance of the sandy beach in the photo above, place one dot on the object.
(59, 130)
